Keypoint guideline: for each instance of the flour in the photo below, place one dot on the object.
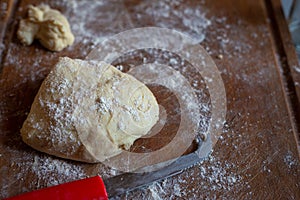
(219, 174)
(103, 105)
(223, 176)
(43, 166)
(3, 6)
(103, 13)
(289, 160)
(47, 171)
(189, 20)
(50, 171)
(297, 69)
(209, 175)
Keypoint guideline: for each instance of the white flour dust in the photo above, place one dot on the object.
(215, 175)
(42, 169)
(83, 15)
(65, 171)
(209, 175)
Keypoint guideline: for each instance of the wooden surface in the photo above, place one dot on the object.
(257, 156)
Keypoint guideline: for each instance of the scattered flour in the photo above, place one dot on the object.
(43, 166)
(297, 69)
(42, 169)
(51, 171)
(289, 160)
(3, 6)
(212, 177)
(218, 177)
(187, 19)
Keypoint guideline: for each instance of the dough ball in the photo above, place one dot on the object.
(89, 111)
(47, 25)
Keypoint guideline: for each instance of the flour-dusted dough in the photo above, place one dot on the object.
(88, 111)
(47, 25)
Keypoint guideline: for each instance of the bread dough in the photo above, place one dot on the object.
(47, 25)
(89, 111)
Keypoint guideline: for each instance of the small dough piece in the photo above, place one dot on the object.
(89, 111)
(47, 25)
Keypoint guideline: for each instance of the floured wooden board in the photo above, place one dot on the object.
(257, 154)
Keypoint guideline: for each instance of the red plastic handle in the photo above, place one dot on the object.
(89, 188)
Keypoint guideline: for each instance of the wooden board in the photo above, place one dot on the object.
(257, 156)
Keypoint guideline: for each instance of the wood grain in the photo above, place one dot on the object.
(257, 156)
